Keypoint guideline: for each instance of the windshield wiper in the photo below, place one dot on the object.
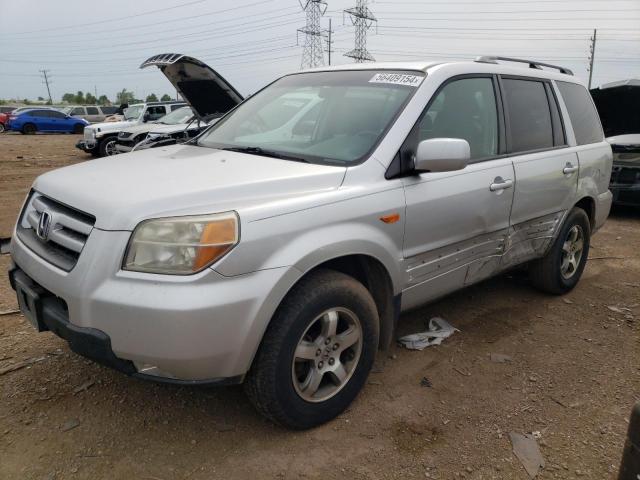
(265, 153)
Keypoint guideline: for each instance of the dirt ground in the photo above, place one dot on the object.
(573, 377)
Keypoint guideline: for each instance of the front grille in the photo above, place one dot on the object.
(88, 134)
(622, 175)
(66, 233)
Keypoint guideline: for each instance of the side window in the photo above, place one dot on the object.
(92, 111)
(466, 109)
(156, 112)
(109, 110)
(583, 115)
(529, 115)
(175, 107)
(77, 111)
(54, 114)
(40, 113)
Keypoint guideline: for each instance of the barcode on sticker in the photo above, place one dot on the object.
(397, 79)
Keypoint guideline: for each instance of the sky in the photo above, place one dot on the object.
(99, 46)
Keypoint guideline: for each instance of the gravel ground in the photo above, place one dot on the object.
(572, 375)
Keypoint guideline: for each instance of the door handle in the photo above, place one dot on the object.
(500, 184)
(569, 169)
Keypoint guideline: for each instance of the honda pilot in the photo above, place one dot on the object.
(279, 247)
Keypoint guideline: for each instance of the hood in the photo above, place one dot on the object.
(206, 91)
(631, 140)
(122, 190)
(112, 126)
(142, 128)
(626, 149)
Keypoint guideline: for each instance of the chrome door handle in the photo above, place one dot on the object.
(500, 184)
(569, 169)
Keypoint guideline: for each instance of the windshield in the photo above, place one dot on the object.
(134, 112)
(325, 117)
(181, 115)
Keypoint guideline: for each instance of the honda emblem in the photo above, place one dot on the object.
(43, 226)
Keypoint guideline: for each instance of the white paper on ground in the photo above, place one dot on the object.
(439, 329)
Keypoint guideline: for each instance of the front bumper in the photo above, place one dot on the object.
(202, 328)
(87, 145)
(626, 194)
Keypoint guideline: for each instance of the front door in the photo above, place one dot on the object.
(457, 222)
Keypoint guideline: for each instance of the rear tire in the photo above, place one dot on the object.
(317, 352)
(78, 128)
(107, 147)
(1, 127)
(559, 271)
(29, 129)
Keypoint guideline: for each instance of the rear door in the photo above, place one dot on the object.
(546, 169)
(457, 222)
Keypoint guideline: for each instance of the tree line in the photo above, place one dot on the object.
(123, 96)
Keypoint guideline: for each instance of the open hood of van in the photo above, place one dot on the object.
(207, 92)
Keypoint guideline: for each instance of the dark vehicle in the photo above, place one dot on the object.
(45, 120)
(618, 104)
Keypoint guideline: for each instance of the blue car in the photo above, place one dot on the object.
(45, 120)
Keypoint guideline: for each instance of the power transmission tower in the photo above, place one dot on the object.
(312, 54)
(363, 19)
(46, 81)
(592, 54)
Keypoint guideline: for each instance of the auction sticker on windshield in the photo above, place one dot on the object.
(397, 79)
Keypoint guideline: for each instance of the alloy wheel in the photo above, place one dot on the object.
(572, 249)
(327, 354)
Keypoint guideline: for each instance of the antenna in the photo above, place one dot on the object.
(363, 19)
(312, 53)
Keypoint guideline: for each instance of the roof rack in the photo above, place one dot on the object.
(532, 63)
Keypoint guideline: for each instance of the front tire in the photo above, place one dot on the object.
(107, 147)
(560, 270)
(317, 352)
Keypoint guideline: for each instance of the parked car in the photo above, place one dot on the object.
(207, 109)
(4, 117)
(625, 177)
(45, 120)
(285, 262)
(91, 113)
(100, 138)
(617, 104)
(177, 121)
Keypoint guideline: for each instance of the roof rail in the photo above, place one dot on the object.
(532, 63)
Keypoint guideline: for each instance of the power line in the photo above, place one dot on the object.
(363, 18)
(312, 54)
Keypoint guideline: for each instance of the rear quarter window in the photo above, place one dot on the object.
(582, 113)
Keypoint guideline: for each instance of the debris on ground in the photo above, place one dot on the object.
(617, 309)
(500, 358)
(70, 424)
(83, 387)
(19, 365)
(9, 312)
(439, 329)
(425, 382)
(525, 448)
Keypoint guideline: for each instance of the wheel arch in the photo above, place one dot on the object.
(588, 204)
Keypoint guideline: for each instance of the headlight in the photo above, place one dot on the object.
(181, 245)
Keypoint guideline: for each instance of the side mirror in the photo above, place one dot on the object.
(442, 155)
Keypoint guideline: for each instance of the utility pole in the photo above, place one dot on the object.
(95, 92)
(312, 54)
(329, 42)
(592, 54)
(363, 19)
(46, 81)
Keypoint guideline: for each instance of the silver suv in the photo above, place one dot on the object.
(280, 246)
